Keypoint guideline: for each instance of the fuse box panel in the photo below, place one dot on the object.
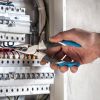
(20, 74)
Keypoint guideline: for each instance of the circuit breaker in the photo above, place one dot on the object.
(22, 73)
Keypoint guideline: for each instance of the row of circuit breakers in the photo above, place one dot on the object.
(20, 74)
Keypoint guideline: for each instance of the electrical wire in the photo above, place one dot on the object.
(7, 3)
(4, 44)
(16, 98)
(6, 50)
(45, 97)
(42, 17)
(12, 53)
(8, 98)
(18, 54)
(7, 54)
(3, 53)
(10, 45)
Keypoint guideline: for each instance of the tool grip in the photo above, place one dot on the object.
(65, 63)
(69, 43)
(68, 64)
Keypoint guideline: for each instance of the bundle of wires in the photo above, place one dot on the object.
(42, 97)
(42, 16)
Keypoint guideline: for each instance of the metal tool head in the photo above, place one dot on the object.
(50, 59)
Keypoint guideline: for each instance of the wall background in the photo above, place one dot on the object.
(85, 84)
(83, 14)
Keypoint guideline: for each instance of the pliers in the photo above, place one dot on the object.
(62, 62)
(47, 45)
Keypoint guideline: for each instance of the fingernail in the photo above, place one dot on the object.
(74, 69)
(51, 39)
(53, 66)
(63, 69)
(43, 62)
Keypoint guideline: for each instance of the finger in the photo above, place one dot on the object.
(57, 38)
(66, 35)
(61, 55)
(57, 53)
(43, 62)
(53, 50)
(74, 69)
(54, 67)
(63, 69)
(71, 35)
(74, 53)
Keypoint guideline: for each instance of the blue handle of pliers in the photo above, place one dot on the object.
(70, 43)
(69, 64)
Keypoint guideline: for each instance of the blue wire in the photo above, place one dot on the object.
(7, 3)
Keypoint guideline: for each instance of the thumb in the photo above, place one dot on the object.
(57, 38)
(66, 35)
(72, 34)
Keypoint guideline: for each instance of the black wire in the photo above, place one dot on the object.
(8, 44)
(7, 3)
(16, 98)
(42, 31)
(8, 98)
(40, 34)
(4, 44)
(1, 45)
(46, 97)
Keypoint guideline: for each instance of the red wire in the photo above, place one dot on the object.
(3, 53)
(18, 54)
(7, 54)
(13, 53)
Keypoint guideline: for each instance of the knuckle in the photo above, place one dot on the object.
(61, 34)
(74, 29)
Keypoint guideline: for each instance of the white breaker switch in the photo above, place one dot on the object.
(12, 10)
(11, 23)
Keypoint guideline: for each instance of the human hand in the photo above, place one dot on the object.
(85, 54)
